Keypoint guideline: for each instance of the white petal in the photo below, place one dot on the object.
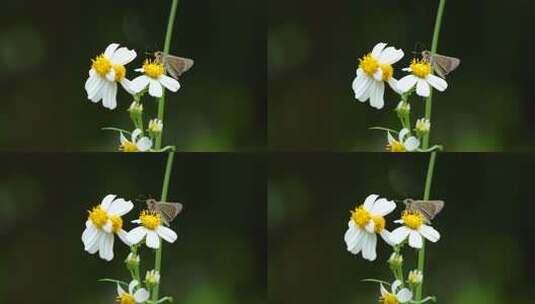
(357, 242)
(406, 83)
(123, 139)
(123, 56)
(386, 235)
(415, 240)
(153, 241)
(120, 207)
(109, 99)
(106, 246)
(404, 295)
(399, 234)
(166, 234)
(144, 144)
(137, 234)
(402, 134)
(139, 83)
(368, 202)
(384, 292)
(120, 290)
(170, 83)
(111, 75)
(368, 251)
(89, 236)
(106, 202)
(393, 83)
(378, 75)
(378, 49)
(390, 138)
(108, 226)
(135, 135)
(126, 84)
(411, 144)
(383, 207)
(390, 55)
(422, 88)
(429, 233)
(94, 86)
(124, 237)
(132, 285)
(94, 243)
(437, 82)
(361, 84)
(155, 88)
(370, 227)
(376, 97)
(141, 295)
(395, 286)
(110, 50)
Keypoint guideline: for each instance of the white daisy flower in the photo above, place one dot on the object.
(366, 221)
(404, 142)
(106, 70)
(135, 144)
(396, 296)
(414, 228)
(155, 78)
(103, 222)
(132, 296)
(422, 78)
(152, 229)
(374, 69)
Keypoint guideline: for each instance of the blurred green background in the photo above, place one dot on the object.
(45, 53)
(220, 254)
(485, 255)
(313, 51)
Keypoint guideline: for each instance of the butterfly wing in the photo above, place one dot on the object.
(429, 209)
(443, 65)
(169, 211)
(176, 66)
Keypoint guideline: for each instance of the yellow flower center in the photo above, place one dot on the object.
(379, 222)
(153, 69)
(150, 220)
(101, 65)
(395, 146)
(412, 219)
(120, 72)
(388, 71)
(360, 216)
(128, 146)
(126, 298)
(368, 64)
(421, 68)
(389, 299)
(98, 216)
(117, 223)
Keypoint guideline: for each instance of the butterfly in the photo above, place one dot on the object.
(175, 66)
(442, 65)
(167, 210)
(429, 209)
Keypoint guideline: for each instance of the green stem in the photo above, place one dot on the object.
(434, 46)
(163, 198)
(166, 48)
(427, 192)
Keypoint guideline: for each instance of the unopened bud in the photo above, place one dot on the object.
(135, 108)
(423, 125)
(155, 126)
(415, 277)
(152, 278)
(395, 260)
(403, 108)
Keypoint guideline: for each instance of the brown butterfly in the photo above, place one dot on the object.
(175, 66)
(167, 210)
(442, 65)
(429, 209)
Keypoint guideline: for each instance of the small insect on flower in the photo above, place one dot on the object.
(151, 229)
(174, 65)
(414, 228)
(404, 143)
(154, 77)
(135, 144)
(373, 70)
(106, 70)
(396, 296)
(422, 78)
(133, 296)
(103, 222)
(365, 222)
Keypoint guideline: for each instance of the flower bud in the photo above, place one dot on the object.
(415, 277)
(403, 108)
(395, 260)
(135, 108)
(152, 278)
(132, 260)
(423, 125)
(155, 126)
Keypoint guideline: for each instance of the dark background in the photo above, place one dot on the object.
(485, 255)
(220, 254)
(45, 53)
(313, 51)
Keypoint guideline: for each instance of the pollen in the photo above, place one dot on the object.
(379, 222)
(126, 298)
(101, 65)
(153, 69)
(98, 216)
(388, 71)
(150, 220)
(128, 146)
(117, 223)
(120, 71)
(412, 219)
(369, 64)
(395, 146)
(360, 216)
(389, 299)
(421, 68)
